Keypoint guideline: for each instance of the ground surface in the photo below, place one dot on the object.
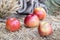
(31, 33)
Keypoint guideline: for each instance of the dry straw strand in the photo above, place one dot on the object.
(8, 7)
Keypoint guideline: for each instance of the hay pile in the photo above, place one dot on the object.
(31, 33)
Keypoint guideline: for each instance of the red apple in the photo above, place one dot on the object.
(40, 12)
(12, 24)
(31, 21)
(45, 29)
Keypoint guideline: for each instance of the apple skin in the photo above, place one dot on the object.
(31, 21)
(12, 24)
(45, 29)
(40, 12)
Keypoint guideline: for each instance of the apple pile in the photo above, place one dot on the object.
(12, 24)
(30, 21)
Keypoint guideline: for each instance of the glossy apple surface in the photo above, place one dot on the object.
(40, 12)
(12, 24)
(45, 29)
(31, 21)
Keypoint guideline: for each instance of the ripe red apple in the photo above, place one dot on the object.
(31, 21)
(40, 12)
(12, 24)
(45, 29)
